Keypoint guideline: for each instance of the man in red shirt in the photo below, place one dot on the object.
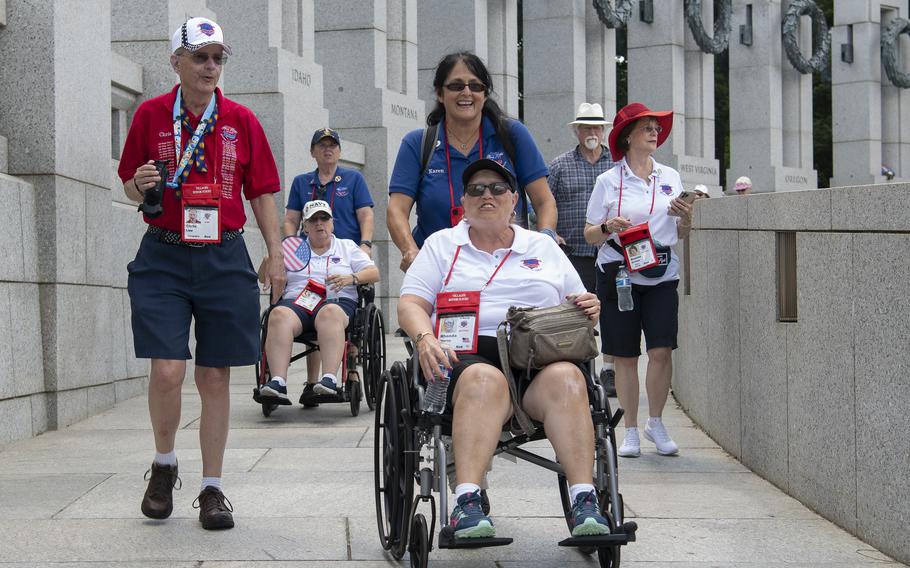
(192, 262)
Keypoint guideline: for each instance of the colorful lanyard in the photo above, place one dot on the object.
(445, 134)
(194, 141)
(484, 287)
(622, 174)
(334, 185)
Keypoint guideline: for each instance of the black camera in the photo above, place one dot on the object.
(151, 204)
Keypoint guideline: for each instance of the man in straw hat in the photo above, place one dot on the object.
(571, 180)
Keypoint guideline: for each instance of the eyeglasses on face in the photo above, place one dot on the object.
(496, 188)
(458, 86)
(200, 58)
(323, 218)
(652, 129)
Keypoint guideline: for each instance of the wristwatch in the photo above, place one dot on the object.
(421, 335)
(367, 243)
(604, 229)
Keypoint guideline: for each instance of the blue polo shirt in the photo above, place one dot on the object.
(346, 193)
(432, 191)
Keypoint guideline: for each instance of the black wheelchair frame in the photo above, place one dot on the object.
(366, 332)
(409, 450)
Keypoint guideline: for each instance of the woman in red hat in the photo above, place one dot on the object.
(639, 192)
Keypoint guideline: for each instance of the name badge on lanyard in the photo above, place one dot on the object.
(312, 295)
(638, 247)
(458, 313)
(201, 212)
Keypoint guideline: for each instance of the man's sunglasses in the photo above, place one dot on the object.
(458, 86)
(200, 58)
(477, 189)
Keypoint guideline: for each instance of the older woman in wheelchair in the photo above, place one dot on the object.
(321, 297)
(464, 279)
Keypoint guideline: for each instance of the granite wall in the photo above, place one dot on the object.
(817, 406)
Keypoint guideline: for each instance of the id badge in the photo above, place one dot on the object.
(457, 320)
(455, 214)
(312, 295)
(638, 247)
(201, 205)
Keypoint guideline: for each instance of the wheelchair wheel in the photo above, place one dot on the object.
(374, 355)
(354, 394)
(419, 547)
(393, 460)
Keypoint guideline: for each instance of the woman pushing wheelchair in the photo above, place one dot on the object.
(465, 278)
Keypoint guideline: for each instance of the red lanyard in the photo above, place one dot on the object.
(454, 260)
(331, 199)
(308, 271)
(622, 171)
(445, 134)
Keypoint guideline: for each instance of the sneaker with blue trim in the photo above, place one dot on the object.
(274, 390)
(468, 520)
(586, 518)
(325, 386)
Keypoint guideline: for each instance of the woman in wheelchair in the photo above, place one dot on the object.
(337, 264)
(487, 256)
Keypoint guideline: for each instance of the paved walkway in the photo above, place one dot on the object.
(301, 482)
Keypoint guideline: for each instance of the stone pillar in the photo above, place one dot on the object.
(489, 28)
(353, 44)
(760, 91)
(569, 58)
(667, 71)
(54, 106)
(895, 131)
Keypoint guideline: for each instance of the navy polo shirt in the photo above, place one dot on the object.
(345, 194)
(432, 191)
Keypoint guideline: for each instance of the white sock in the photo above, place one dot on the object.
(654, 421)
(211, 482)
(281, 381)
(632, 431)
(331, 377)
(609, 366)
(169, 458)
(464, 488)
(579, 488)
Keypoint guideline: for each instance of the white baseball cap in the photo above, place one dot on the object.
(196, 33)
(742, 183)
(316, 206)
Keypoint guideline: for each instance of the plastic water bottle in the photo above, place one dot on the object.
(434, 397)
(624, 290)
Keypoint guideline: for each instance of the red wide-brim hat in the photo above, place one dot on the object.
(632, 112)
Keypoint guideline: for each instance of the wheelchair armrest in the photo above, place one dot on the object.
(366, 293)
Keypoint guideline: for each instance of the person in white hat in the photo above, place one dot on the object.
(743, 186)
(571, 180)
(216, 154)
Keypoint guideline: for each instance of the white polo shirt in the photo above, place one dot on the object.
(536, 273)
(342, 257)
(638, 195)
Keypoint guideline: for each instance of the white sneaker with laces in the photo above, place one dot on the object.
(631, 444)
(657, 433)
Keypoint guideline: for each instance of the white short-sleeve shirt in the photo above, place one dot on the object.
(536, 274)
(342, 257)
(638, 195)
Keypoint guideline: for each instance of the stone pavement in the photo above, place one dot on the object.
(301, 483)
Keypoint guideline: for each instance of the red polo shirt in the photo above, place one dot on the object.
(237, 154)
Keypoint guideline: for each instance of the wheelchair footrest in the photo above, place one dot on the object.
(447, 540)
(597, 541)
(327, 398)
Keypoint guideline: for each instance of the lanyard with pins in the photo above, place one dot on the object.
(194, 141)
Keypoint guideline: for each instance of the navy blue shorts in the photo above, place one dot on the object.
(309, 320)
(215, 285)
(655, 312)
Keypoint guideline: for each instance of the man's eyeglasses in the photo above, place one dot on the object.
(200, 58)
(652, 129)
(458, 86)
(477, 189)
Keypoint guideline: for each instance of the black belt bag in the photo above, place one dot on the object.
(657, 271)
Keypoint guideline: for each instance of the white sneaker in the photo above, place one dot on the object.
(656, 433)
(631, 445)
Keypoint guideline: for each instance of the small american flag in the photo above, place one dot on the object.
(296, 253)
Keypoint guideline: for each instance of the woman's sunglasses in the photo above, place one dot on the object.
(458, 86)
(496, 188)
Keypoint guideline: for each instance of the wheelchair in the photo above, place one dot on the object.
(410, 450)
(364, 347)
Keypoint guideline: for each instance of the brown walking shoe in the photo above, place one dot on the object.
(214, 509)
(158, 501)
